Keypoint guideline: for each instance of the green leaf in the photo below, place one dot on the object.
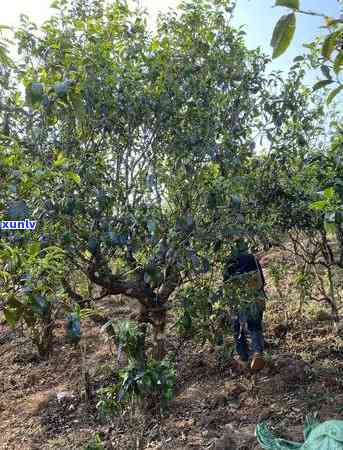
(73, 177)
(333, 94)
(283, 34)
(329, 193)
(78, 105)
(61, 88)
(338, 63)
(298, 58)
(54, 5)
(293, 4)
(60, 160)
(12, 316)
(326, 72)
(34, 93)
(34, 249)
(319, 205)
(321, 84)
(329, 45)
(4, 58)
(37, 89)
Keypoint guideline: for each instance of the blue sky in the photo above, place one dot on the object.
(258, 16)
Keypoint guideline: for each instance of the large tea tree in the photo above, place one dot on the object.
(130, 147)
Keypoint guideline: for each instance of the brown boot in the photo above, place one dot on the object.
(257, 362)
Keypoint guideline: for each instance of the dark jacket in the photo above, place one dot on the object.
(242, 264)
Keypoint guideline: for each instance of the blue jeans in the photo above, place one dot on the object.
(248, 322)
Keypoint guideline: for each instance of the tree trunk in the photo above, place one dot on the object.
(159, 325)
(141, 356)
(157, 317)
(43, 339)
(339, 237)
(333, 303)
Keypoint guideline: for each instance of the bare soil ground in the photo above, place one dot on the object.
(215, 406)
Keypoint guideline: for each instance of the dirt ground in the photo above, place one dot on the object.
(215, 406)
